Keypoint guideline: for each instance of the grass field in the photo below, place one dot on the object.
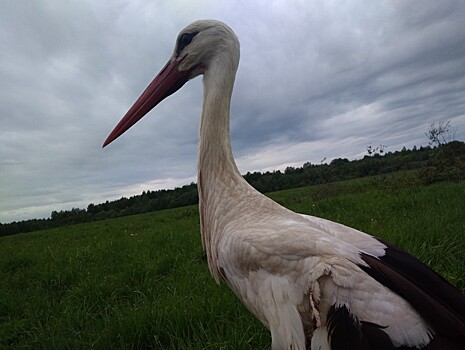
(142, 282)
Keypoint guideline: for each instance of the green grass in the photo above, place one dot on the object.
(142, 281)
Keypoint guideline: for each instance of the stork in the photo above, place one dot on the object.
(315, 284)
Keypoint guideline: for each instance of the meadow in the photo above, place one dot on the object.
(142, 281)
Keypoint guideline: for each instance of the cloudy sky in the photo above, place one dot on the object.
(317, 79)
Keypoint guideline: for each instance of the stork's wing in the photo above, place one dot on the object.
(439, 303)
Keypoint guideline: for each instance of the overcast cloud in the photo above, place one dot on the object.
(316, 79)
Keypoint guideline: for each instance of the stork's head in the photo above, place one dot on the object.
(198, 47)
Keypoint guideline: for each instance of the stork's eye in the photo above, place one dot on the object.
(185, 40)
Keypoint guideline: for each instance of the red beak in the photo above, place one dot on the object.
(167, 82)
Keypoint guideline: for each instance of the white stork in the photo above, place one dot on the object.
(313, 283)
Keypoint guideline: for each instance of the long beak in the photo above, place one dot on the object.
(167, 82)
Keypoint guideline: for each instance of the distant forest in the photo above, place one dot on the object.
(443, 163)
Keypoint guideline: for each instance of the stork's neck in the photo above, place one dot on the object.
(215, 154)
(220, 184)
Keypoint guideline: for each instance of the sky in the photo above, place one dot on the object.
(317, 80)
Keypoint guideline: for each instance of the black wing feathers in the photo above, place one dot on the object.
(345, 332)
(436, 300)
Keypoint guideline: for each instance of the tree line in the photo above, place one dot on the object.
(443, 162)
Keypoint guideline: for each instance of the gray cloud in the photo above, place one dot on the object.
(315, 80)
